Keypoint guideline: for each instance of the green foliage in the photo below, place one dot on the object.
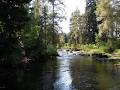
(88, 47)
(104, 14)
(13, 18)
(109, 46)
(62, 40)
(77, 27)
(100, 42)
(117, 51)
(15, 57)
(113, 44)
(31, 30)
(67, 46)
(51, 50)
(41, 33)
(91, 21)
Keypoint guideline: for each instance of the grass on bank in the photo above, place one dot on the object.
(115, 55)
(105, 49)
(88, 48)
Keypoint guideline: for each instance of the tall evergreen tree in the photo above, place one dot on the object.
(115, 30)
(104, 15)
(74, 27)
(77, 28)
(91, 22)
(13, 17)
(56, 17)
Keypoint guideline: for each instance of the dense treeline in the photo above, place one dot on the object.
(28, 29)
(14, 16)
(98, 26)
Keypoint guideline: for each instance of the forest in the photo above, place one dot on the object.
(36, 54)
(96, 31)
(29, 30)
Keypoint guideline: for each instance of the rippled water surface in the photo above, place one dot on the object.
(68, 72)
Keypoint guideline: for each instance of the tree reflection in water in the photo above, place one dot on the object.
(64, 73)
(92, 75)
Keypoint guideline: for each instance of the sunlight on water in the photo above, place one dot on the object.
(70, 71)
(64, 75)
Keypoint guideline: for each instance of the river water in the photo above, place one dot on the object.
(68, 72)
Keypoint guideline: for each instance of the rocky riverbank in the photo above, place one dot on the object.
(96, 55)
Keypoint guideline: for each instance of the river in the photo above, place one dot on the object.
(67, 72)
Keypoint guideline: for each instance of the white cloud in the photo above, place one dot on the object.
(71, 6)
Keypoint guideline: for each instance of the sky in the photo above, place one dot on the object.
(71, 6)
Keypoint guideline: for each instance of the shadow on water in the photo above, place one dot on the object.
(40, 77)
(69, 72)
(92, 75)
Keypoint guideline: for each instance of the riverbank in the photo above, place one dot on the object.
(101, 53)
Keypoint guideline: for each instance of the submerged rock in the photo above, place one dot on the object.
(100, 57)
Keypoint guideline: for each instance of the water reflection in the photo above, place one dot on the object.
(92, 75)
(69, 72)
(64, 75)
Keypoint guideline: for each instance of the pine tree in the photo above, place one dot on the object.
(77, 28)
(74, 27)
(13, 17)
(104, 15)
(91, 22)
